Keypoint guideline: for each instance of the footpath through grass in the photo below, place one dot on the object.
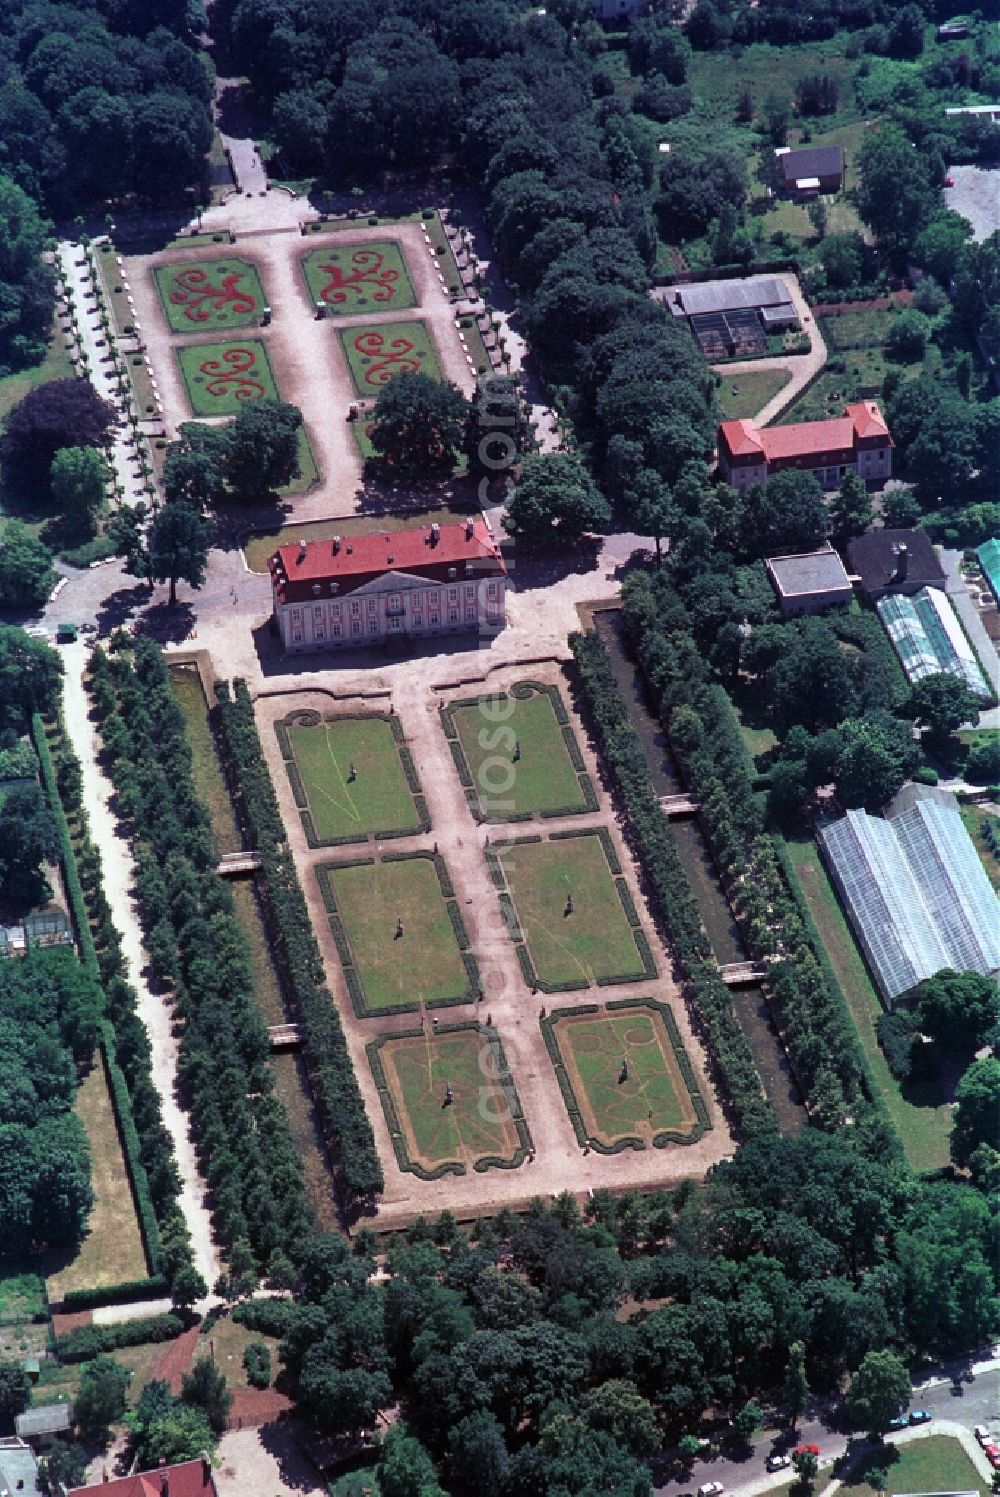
(936, 1463)
(924, 1130)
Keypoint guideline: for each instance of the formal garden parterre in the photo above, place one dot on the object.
(517, 755)
(399, 933)
(570, 911)
(625, 1076)
(199, 296)
(352, 777)
(449, 1100)
(353, 279)
(375, 355)
(221, 377)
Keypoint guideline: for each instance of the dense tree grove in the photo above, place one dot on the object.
(50, 1009)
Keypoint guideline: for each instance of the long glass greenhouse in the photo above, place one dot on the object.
(914, 889)
(989, 560)
(928, 637)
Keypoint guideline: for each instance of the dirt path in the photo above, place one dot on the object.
(559, 1162)
(118, 867)
(802, 367)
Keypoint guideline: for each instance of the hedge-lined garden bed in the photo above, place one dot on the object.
(433, 1087)
(339, 1104)
(517, 755)
(399, 933)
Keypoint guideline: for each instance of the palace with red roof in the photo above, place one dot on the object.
(858, 441)
(389, 584)
(188, 1479)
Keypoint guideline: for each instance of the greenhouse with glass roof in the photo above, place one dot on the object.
(989, 560)
(928, 637)
(915, 891)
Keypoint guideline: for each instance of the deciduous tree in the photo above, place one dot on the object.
(418, 427)
(178, 546)
(555, 499)
(26, 575)
(878, 1391)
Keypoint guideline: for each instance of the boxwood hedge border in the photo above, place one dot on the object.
(308, 717)
(525, 1147)
(493, 850)
(352, 976)
(666, 1137)
(520, 691)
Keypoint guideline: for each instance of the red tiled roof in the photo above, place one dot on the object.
(296, 569)
(189, 1479)
(742, 439)
(805, 438)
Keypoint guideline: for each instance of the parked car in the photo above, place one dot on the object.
(920, 1416)
(778, 1462)
(992, 1453)
(711, 1489)
(901, 1421)
(982, 1434)
(806, 1450)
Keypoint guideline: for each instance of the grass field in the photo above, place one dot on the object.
(517, 756)
(378, 799)
(354, 278)
(222, 377)
(975, 821)
(199, 296)
(22, 1299)
(209, 781)
(743, 395)
(594, 942)
(375, 355)
(424, 964)
(923, 1124)
(112, 1251)
(226, 1342)
(419, 1069)
(935, 1464)
(264, 543)
(626, 1079)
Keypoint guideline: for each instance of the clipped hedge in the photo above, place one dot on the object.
(93, 1340)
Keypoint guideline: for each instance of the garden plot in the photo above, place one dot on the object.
(199, 296)
(357, 278)
(375, 355)
(352, 777)
(220, 378)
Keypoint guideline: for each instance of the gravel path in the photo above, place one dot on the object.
(118, 866)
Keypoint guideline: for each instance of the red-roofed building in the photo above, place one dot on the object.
(189, 1479)
(389, 584)
(858, 440)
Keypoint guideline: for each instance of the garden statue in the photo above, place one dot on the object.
(399, 930)
(569, 905)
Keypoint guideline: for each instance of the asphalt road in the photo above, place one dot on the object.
(973, 1398)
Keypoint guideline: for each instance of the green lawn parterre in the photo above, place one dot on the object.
(335, 808)
(221, 377)
(199, 296)
(624, 1074)
(594, 943)
(375, 355)
(423, 966)
(352, 279)
(520, 756)
(433, 1133)
(935, 1464)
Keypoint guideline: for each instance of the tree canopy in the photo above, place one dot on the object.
(61, 413)
(418, 426)
(554, 500)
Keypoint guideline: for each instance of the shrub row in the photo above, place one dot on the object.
(708, 996)
(268, 1317)
(92, 1340)
(339, 1103)
(196, 944)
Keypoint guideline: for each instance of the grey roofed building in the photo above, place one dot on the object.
(822, 164)
(895, 561)
(915, 891)
(18, 1469)
(726, 296)
(810, 581)
(46, 1419)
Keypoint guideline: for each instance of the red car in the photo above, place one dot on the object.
(992, 1454)
(949, 181)
(806, 1450)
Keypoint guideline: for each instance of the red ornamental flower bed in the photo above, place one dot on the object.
(196, 294)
